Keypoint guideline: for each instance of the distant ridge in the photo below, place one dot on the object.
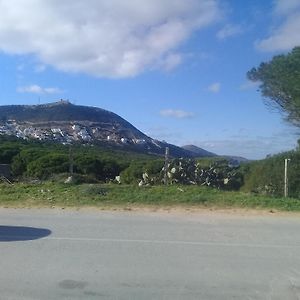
(198, 151)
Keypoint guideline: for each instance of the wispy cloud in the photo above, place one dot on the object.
(171, 61)
(178, 114)
(112, 39)
(248, 85)
(36, 89)
(286, 7)
(229, 30)
(214, 87)
(286, 35)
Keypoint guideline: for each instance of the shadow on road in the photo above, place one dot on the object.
(20, 233)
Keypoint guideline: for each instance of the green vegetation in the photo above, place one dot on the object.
(41, 169)
(267, 177)
(32, 159)
(279, 80)
(53, 194)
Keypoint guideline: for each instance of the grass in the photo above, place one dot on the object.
(51, 194)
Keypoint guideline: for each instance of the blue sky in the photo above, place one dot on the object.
(175, 69)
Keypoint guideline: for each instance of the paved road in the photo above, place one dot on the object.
(112, 255)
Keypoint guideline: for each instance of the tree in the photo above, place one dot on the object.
(47, 165)
(280, 84)
(7, 153)
(134, 173)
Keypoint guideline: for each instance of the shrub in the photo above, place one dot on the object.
(47, 165)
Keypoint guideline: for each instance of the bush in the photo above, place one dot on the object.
(7, 153)
(133, 173)
(267, 176)
(24, 158)
(103, 170)
(47, 165)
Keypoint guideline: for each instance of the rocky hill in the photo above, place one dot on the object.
(67, 123)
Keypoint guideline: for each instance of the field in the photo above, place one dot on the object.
(53, 194)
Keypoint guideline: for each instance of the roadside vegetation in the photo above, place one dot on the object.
(40, 171)
(55, 194)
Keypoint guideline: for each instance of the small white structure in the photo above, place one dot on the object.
(95, 130)
(118, 179)
(76, 127)
(140, 141)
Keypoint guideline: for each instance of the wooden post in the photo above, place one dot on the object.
(286, 183)
(166, 166)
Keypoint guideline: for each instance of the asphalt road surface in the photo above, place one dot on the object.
(63, 254)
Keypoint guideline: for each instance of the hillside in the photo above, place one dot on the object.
(65, 112)
(198, 151)
(67, 123)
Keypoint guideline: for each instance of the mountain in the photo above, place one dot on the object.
(198, 152)
(64, 114)
(68, 123)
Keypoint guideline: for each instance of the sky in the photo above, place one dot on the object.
(175, 69)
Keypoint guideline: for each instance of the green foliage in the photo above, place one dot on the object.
(7, 153)
(88, 165)
(111, 169)
(133, 173)
(153, 167)
(94, 166)
(47, 165)
(9, 148)
(280, 83)
(44, 159)
(21, 161)
(267, 176)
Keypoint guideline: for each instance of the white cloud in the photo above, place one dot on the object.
(229, 30)
(285, 7)
(107, 38)
(36, 89)
(214, 87)
(287, 34)
(178, 114)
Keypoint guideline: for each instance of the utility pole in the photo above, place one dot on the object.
(286, 182)
(166, 166)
